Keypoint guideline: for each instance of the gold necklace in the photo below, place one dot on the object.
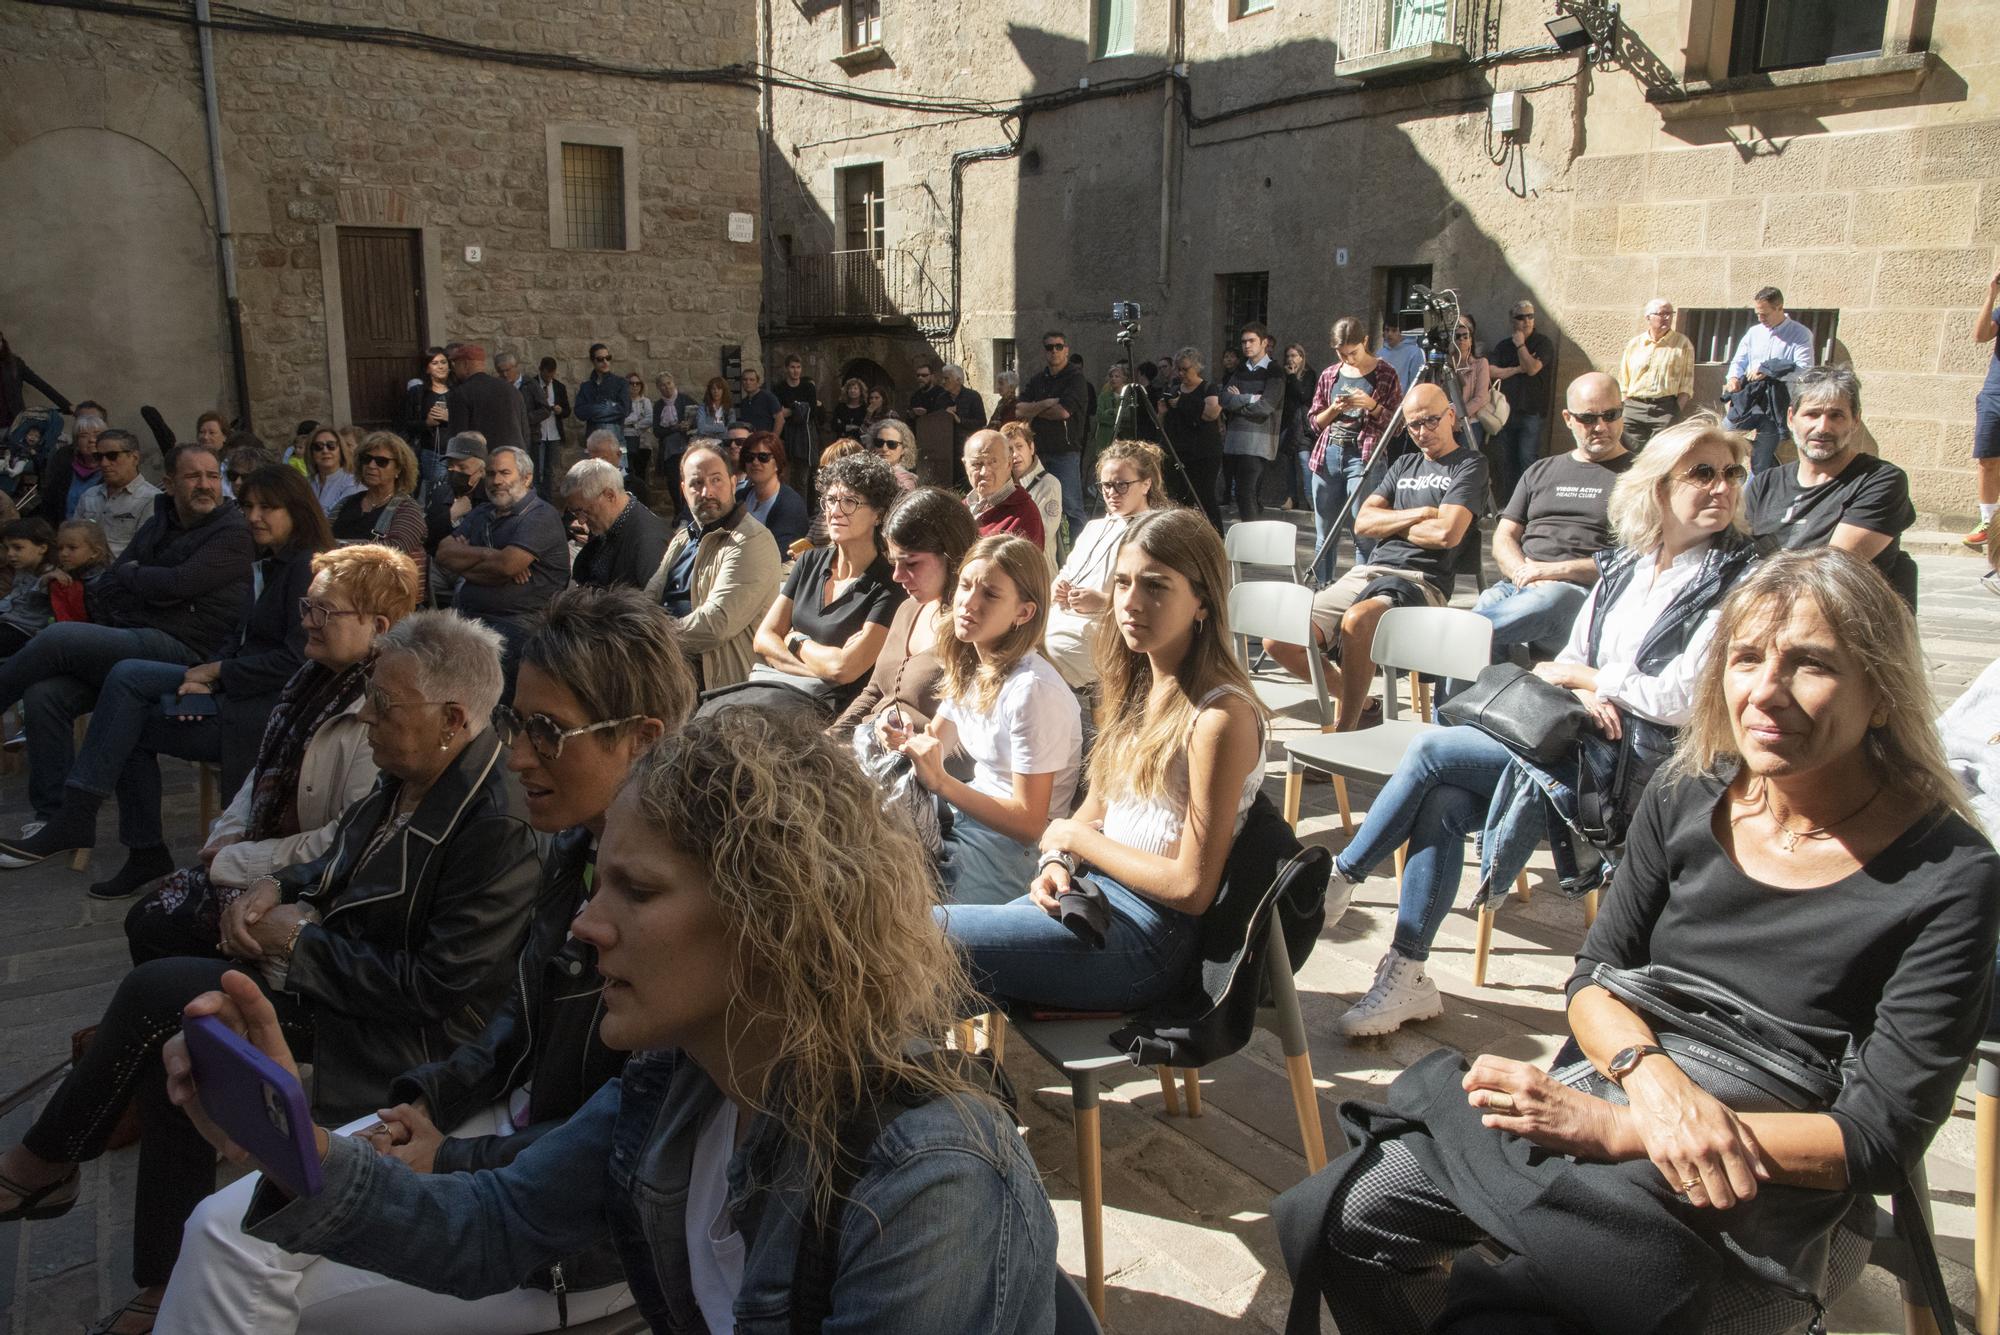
(1790, 843)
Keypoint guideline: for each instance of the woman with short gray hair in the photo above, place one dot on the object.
(394, 945)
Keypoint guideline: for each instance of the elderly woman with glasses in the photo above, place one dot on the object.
(385, 510)
(395, 944)
(602, 680)
(1632, 660)
(831, 618)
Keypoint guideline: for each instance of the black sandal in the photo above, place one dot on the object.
(136, 1307)
(36, 1204)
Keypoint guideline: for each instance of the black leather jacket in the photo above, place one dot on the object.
(415, 947)
(546, 1030)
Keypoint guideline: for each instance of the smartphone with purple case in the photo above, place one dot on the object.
(256, 1101)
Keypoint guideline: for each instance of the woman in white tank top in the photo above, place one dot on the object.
(1178, 759)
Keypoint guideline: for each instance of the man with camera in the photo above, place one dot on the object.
(1055, 403)
(1417, 516)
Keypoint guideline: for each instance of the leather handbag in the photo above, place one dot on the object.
(1494, 415)
(1753, 1061)
(1535, 719)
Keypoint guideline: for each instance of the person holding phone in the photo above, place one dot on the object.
(783, 984)
(602, 679)
(1351, 407)
(396, 943)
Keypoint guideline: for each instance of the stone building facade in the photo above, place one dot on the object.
(1304, 159)
(382, 198)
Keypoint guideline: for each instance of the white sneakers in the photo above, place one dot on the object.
(1402, 992)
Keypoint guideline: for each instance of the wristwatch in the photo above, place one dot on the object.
(793, 641)
(1627, 1060)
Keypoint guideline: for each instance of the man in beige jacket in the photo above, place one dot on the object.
(720, 574)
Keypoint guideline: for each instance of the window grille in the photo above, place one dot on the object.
(594, 196)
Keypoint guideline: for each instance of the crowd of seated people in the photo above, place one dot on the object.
(609, 804)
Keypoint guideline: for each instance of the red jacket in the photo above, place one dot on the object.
(1018, 514)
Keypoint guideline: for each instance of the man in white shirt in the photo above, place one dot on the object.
(123, 500)
(1776, 337)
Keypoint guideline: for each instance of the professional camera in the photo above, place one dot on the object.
(1432, 319)
(1125, 314)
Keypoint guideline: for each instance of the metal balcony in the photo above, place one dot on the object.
(1378, 38)
(864, 286)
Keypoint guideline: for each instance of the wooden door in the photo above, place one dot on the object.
(382, 306)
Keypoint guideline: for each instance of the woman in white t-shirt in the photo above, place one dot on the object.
(1178, 762)
(1128, 475)
(1009, 712)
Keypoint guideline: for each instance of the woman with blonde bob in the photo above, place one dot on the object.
(1177, 763)
(1002, 706)
(1129, 477)
(1631, 661)
(1808, 817)
(761, 927)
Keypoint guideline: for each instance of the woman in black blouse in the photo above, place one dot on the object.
(832, 616)
(1809, 850)
(1191, 412)
(850, 415)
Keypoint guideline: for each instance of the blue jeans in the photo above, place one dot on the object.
(1019, 953)
(56, 678)
(1336, 475)
(128, 731)
(1438, 795)
(984, 866)
(1515, 446)
(1540, 614)
(1068, 470)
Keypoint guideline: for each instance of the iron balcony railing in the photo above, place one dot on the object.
(860, 285)
(1377, 27)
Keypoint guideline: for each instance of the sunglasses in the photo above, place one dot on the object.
(236, 480)
(1117, 488)
(1054, 347)
(760, 457)
(1519, 318)
(544, 734)
(326, 447)
(602, 361)
(1706, 475)
(886, 443)
(1592, 419)
(314, 616)
(377, 460)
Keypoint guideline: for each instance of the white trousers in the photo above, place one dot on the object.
(229, 1283)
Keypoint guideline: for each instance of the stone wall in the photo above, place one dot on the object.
(321, 133)
(1882, 205)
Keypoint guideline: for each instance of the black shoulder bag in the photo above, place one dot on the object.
(1535, 719)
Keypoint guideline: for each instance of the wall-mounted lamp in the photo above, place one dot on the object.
(1587, 27)
(1568, 32)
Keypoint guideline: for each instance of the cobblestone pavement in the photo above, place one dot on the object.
(1187, 1232)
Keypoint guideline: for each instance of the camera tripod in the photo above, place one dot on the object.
(1126, 333)
(1437, 371)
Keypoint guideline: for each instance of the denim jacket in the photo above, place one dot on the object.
(947, 1229)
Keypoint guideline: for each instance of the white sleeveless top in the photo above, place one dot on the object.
(1152, 825)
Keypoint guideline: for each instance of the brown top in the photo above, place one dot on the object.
(899, 677)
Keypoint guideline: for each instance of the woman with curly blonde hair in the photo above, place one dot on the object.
(762, 928)
(1177, 764)
(1005, 708)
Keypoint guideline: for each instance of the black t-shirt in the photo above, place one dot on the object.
(351, 523)
(1526, 393)
(799, 401)
(873, 597)
(1899, 954)
(758, 411)
(1416, 480)
(1560, 504)
(1870, 493)
(1181, 416)
(1071, 389)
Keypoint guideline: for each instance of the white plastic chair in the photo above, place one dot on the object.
(1441, 641)
(1263, 609)
(1262, 542)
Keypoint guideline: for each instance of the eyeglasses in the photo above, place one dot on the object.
(314, 616)
(836, 504)
(1423, 423)
(760, 457)
(377, 460)
(1707, 475)
(379, 703)
(1115, 489)
(1054, 347)
(1519, 318)
(544, 734)
(1592, 419)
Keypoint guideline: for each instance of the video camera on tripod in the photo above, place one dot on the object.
(1432, 319)
(1125, 314)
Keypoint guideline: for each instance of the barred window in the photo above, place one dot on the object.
(594, 196)
(1716, 330)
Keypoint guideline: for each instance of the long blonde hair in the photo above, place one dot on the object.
(967, 676)
(828, 898)
(1638, 505)
(1876, 626)
(1137, 744)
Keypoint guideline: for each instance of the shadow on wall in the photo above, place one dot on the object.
(1382, 178)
